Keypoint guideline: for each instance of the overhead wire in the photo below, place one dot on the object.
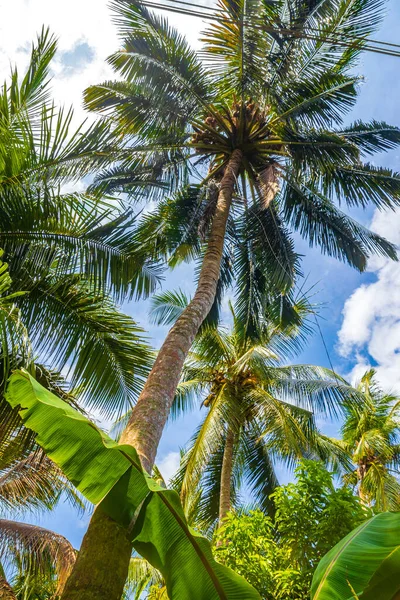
(363, 43)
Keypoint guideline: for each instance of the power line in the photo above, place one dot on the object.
(293, 33)
(343, 35)
(218, 16)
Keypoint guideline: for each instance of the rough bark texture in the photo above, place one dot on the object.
(150, 414)
(226, 477)
(6, 591)
(361, 473)
(102, 565)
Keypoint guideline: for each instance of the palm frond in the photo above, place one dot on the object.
(104, 350)
(32, 482)
(318, 101)
(265, 265)
(36, 549)
(372, 137)
(204, 443)
(155, 53)
(141, 577)
(234, 51)
(321, 223)
(259, 470)
(61, 234)
(362, 185)
(167, 307)
(24, 99)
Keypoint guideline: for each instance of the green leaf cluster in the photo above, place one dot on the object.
(70, 252)
(279, 556)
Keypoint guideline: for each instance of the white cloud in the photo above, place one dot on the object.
(75, 23)
(371, 316)
(168, 465)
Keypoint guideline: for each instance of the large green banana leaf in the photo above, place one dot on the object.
(111, 474)
(365, 564)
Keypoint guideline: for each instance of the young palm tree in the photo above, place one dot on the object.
(371, 436)
(258, 410)
(258, 117)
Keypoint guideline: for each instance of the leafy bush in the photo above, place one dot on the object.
(278, 557)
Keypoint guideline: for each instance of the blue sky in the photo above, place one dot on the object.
(359, 315)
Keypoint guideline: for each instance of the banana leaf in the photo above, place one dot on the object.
(111, 475)
(364, 565)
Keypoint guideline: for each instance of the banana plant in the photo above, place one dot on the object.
(111, 475)
(364, 565)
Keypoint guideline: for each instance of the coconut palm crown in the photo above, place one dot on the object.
(371, 435)
(259, 409)
(273, 100)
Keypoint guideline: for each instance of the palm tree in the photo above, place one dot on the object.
(70, 252)
(258, 117)
(70, 257)
(34, 554)
(258, 410)
(371, 436)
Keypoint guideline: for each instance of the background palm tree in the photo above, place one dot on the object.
(258, 115)
(258, 410)
(30, 554)
(70, 259)
(371, 436)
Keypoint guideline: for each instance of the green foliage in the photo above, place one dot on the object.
(35, 587)
(371, 436)
(281, 99)
(13, 338)
(365, 564)
(279, 556)
(71, 253)
(111, 475)
(246, 389)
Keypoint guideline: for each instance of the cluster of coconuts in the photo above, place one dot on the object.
(249, 111)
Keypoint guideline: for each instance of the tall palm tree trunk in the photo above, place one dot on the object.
(102, 565)
(226, 476)
(6, 592)
(150, 414)
(361, 473)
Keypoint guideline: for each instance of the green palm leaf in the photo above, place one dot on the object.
(104, 350)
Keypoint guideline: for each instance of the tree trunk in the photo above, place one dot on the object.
(6, 591)
(102, 565)
(150, 414)
(361, 473)
(226, 476)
